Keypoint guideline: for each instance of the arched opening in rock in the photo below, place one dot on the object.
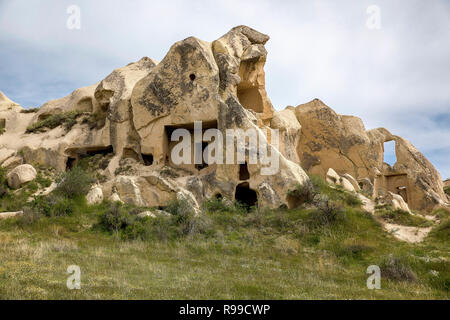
(70, 163)
(389, 155)
(130, 154)
(250, 98)
(192, 77)
(246, 196)
(195, 148)
(243, 172)
(148, 159)
(85, 105)
(397, 183)
(218, 196)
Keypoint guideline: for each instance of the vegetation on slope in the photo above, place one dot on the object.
(67, 119)
(320, 250)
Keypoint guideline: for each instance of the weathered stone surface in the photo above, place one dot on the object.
(95, 195)
(20, 175)
(7, 104)
(333, 178)
(6, 215)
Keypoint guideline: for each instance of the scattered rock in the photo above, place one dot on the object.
(5, 215)
(20, 175)
(95, 196)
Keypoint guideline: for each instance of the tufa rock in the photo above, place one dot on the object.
(20, 175)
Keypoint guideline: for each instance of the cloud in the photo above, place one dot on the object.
(396, 77)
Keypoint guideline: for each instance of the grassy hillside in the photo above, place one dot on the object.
(319, 251)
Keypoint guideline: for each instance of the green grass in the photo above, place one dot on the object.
(401, 217)
(320, 250)
(67, 119)
(264, 254)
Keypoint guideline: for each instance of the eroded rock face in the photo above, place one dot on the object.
(130, 116)
(329, 140)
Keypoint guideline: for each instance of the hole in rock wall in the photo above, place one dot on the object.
(192, 77)
(70, 163)
(243, 172)
(397, 184)
(148, 159)
(389, 155)
(81, 153)
(200, 147)
(246, 196)
(250, 98)
(130, 154)
(2, 124)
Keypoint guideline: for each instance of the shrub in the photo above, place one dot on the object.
(29, 110)
(187, 222)
(328, 212)
(52, 205)
(447, 190)
(67, 119)
(397, 269)
(30, 216)
(221, 205)
(116, 218)
(398, 216)
(302, 194)
(74, 183)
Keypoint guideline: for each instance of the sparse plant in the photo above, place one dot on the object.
(397, 269)
(67, 119)
(74, 183)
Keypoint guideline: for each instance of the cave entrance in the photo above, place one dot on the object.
(250, 98)
(2, 124)
(398, 184)
(70, 163)
(243, 172)
(148, 159)
(246, 196)
(169, 145)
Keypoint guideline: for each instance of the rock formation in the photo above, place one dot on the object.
(130, 116)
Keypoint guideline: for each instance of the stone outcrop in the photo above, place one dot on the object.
(20, 175)
(129, 118)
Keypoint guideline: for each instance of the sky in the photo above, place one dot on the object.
(389, 67)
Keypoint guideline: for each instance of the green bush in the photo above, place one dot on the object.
(328, 212)
(302, 194)
(29, 110)
(398, 216)
(181, 222)
(397, 269)
(116, 218)
(447, 190)
(53, 205)
(67, 119)
(74, 183)
(221, 205)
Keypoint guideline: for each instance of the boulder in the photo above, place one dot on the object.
(6, 215)
(95, 195)
(398, 202)
(20, 175)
